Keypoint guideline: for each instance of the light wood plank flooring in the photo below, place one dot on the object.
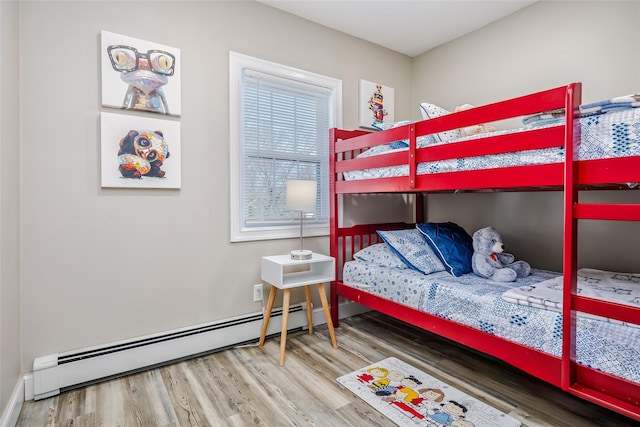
(245, 386)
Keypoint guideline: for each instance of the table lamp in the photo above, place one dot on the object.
(301, 196)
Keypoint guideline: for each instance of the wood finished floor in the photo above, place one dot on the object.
(245, 386)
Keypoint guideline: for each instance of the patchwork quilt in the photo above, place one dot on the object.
(610, 135)
(477, 302)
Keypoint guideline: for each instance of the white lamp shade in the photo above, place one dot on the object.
(301, 195)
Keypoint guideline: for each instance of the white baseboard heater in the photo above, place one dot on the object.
(63, 371)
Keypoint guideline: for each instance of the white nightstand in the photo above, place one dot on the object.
(282, 272)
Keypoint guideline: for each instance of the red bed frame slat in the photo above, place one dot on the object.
(534, 139)
(571, 176)
(618, 212)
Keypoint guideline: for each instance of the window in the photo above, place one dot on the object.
(279, 130)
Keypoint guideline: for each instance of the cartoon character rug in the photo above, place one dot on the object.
(409, 397)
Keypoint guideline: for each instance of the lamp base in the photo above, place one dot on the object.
(301, 254)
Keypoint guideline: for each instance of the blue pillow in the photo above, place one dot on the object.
(398, 144)
(451, 243)
(412, 249)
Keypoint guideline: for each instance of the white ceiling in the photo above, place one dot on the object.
(411, 27)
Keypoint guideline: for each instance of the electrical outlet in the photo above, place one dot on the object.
(257, 293)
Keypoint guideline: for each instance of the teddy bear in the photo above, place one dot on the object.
(491, 262)
(474, 129)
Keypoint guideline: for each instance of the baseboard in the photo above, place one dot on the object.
(351, 308)
(12, 411)
(58, 372)
(28, 387)
(346, 309)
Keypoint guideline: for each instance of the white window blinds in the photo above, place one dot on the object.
(284, 135)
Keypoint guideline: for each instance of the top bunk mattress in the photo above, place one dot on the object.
(613, 134)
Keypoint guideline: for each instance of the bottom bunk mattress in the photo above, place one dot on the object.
(477, 302)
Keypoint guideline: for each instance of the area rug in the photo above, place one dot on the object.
(410, 397)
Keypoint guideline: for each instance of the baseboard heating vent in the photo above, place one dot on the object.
(58, 371)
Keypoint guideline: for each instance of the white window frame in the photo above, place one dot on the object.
(238, 62)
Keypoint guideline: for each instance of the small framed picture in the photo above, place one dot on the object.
(140, 75)
(139, 152)
(376, 104)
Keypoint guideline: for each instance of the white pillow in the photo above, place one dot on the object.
(380, 254)
(430, 111)
(412, 248)
(388, 125)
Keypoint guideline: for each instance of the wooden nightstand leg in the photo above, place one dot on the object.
(267, 314)
(307, 292)
(327, 314)
(285, 320)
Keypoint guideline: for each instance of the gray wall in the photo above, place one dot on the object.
(100, 265)
(514, 57)
(10, 368)
(81, 283)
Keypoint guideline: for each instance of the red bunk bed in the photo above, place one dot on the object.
(571, 175)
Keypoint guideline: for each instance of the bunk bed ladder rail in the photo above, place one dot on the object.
(601, 388)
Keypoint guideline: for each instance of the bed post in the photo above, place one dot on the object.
(573, 99)
(419, 208)
(333, 225)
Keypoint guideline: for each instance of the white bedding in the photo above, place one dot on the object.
(610, 135)
(622, 288)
